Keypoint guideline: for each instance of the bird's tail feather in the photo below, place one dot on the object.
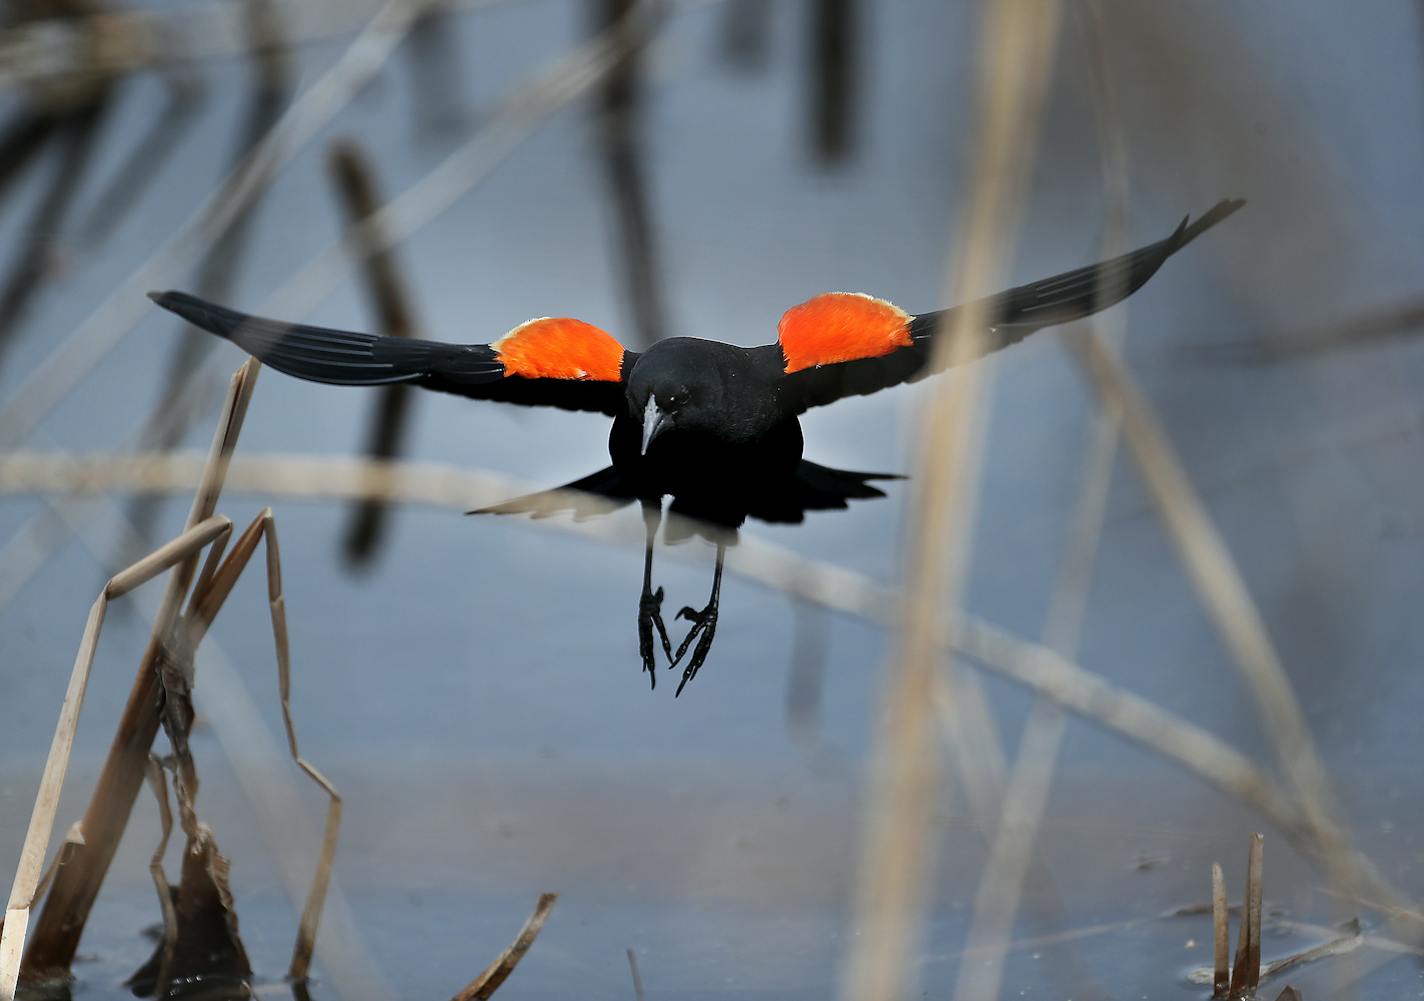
(818, 488)
(597, 493)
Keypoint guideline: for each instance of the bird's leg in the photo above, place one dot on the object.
(650, 614)
(704, 626)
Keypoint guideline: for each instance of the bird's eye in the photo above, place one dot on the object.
(671, 401)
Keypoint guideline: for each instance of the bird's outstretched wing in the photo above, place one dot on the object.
(846, 344)
(546, 362)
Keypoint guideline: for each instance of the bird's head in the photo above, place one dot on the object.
(673, 388)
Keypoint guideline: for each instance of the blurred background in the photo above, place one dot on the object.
(472, 685)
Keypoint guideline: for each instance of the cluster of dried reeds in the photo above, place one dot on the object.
(200, 930)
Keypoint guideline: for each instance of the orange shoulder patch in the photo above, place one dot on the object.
(841, 326)
(560, 348)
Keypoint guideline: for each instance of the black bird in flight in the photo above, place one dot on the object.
(713, 426)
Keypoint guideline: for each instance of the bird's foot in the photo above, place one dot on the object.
(694, 615)
(650, 618)
(704, 628)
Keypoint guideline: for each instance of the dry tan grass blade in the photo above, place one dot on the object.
(898, 848)
(484, 986)
(181, 550)
(1026, 787)
(1225, 598)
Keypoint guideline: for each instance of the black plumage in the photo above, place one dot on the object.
(713, 426)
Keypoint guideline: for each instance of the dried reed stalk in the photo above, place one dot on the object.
(1224, 596)
(212, 592)
(321, 878)
(484, 986)
(1246, 969)
(898, 850)
(67, 905)
(214, 582)
(1220, 935)
(175, 554)
(1027, 786)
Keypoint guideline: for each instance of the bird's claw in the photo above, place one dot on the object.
(650, 617)
(703, 629)
(704, 626)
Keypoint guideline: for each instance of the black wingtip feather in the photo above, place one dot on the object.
(209, 316)
(1219, 212)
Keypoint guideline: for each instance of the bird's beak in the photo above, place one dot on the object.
(655, 422)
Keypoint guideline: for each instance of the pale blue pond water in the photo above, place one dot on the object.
(476, 692)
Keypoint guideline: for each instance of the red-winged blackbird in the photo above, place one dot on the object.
(711, 425)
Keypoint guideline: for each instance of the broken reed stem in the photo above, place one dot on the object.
(67, 906)
(1255, 890)
(484, 986)
(1246, 970)
(899, 847)
(27, 875)
(1220, 935)
(638, 994)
